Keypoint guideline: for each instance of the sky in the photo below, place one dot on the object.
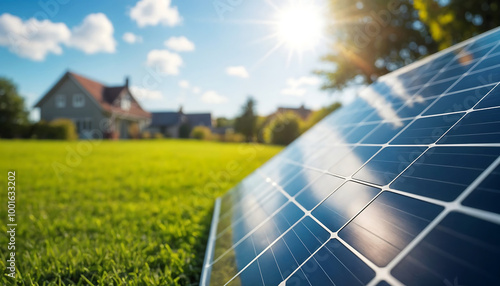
(206, 56)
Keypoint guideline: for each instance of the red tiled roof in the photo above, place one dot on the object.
(106, 97)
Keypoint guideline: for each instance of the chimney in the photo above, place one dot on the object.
(126, 81)
(180, 110)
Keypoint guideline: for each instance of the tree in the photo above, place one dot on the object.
(453, 21)
(283, 129)
(12, 110)
(184, 130)
(372, 38)
(224, 122)
(318, 115)
(247, 121)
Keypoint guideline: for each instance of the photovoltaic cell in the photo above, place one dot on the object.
(443, 173)
(400, 187)
(387, 225)
(460, 250)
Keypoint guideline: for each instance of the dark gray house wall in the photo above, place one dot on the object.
(86, 118)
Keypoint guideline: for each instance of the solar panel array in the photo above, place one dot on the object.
(400, 187)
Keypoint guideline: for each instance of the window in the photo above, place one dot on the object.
(78, 100)
(125, 102)
(83, 125)
(60, 101)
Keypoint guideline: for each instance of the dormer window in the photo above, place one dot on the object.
(60, 101)
(125, 102)
(78, 100)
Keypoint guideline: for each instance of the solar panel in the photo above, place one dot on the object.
(400, 187)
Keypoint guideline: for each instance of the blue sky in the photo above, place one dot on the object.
(223, 59)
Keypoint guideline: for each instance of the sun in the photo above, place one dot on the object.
(300, 26)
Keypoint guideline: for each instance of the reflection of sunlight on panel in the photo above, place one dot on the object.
(465, 58)
(353, 160)
(381, 105)
(388, 225)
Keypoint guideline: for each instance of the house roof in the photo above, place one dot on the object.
(165, 118)
(197, 119)
(301, 111)
(104, 95)
(174, 118)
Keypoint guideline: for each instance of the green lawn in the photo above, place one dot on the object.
(115, 212)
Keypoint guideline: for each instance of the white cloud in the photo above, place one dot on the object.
(164, 61)
(32, 39)
(213, 97)
(293, 91)
(237, 71)
(94, 35)
(132, 38)
(295, 86)
(305, 80)
(180, 44)
(184, 84)
(155, 12)
(196, 90)
(144, 93)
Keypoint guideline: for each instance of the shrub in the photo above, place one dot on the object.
(59, 129)
(283, 129)
(231, 136)
(318, 115)
(201, 133)
(146, 135)
(158, 135)
(64, 129)
(133, 130)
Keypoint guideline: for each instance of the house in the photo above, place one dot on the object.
(169, 123)
(96, 109)
(301, 112)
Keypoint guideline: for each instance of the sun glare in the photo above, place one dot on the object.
(300, 27)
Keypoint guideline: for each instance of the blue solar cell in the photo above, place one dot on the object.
(491, 100)
(359, 132)
(459, 101)
(385, 131)
(482, 126)
(415, 106)
(324, 157)
(264, 235)
(487, 40)
(327, 156)
(302, 179)
(476, 79)
(344, 204)
(387, 164)
(443, 173)
(353, 160)
(333, 264)
(265, 208)
(455, 71)
(487, 195)
(387, 226)
(460, 250)
(427, 130)
(286, 255)
(436, 88)
(488, 63)
(317, 191)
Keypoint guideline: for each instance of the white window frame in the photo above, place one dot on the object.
(60, 101)
(78, 100)
(125, 102)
